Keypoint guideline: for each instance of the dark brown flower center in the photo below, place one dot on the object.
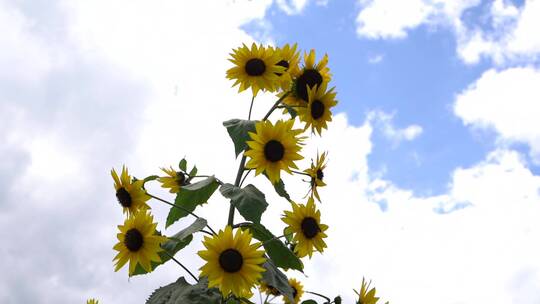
(309, 78)
(310, 228)
(180, 179)
(317, 109)
(284, 64)
(294, 292)
(255, 67)
(133, 239)
(274, 151)
(123, 197)
(320, 174)
(231, 260)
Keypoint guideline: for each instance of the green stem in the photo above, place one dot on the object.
(251, 107)
(302, 173)
(275, 105)
(275, 238)
(320, 295)
(243, 179)
(178, 207)
(236, 183)
(187, 270)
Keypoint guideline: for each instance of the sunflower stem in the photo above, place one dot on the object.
(266, 299)
(184, 267)
(275, 238)
(241, 169)
(251, 107)
(275, 106)
(320, 295)
(179, 207)
(243, 179)
(302, 173)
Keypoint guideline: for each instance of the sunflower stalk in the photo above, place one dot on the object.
(181, 265)
(320, 295)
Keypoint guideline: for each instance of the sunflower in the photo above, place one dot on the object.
(92, 301)
(175, 180)
(273, 148)
(366, 295)
(269, 289)
(316, 172)
(289, 58)
(298, 291)
(232, 263)
(309, 76)
(317, 112)
(138, 242)
(256, 68)
(130, 194)
(304, 222)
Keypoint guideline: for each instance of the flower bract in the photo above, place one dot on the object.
(304, 222)
(273, 148)
(138, 242)
(233, 264)
(129, 194)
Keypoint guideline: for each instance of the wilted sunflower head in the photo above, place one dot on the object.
(298, 291)
(316, 172)
(310, 75)
(366, 295)
(233, 264)
(256, 68)
(138, 242)
(304, 223)
(130, 194)
(273, 148)
(317, 113)
(174, 180)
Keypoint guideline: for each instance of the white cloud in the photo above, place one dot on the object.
(376, 59)
(505, 101)
(384, 122)
(293, 7)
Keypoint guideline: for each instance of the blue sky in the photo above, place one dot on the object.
(433, 179)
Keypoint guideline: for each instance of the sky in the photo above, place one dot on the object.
(434, 150)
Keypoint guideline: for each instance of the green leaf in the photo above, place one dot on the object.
(185, 293)
(183, 165)
(274, 277)
(280, 190)
(174, 244)
(249, 201)
(238, 131)
(189, 197)
(193, 171)
(279, 253)
(309, 302)
(290, 110)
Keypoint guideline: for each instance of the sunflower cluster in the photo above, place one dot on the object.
(243, 257)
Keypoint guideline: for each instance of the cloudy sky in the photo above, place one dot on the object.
(434, 171)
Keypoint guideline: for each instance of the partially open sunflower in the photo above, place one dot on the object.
(310, 75)
(273, 148)
(366, 295)
(130, 194)
(256, 68)
(317, 111)
(138, 242)
(233, 264)
(304, 222)
(174, 181)
(298, 291)
(92, 301)
(289, 58)
(316, 172)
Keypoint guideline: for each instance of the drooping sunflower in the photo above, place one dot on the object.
(366, 295)
(316, 172)
(130, 194)
(92, 301)
(256, 68)
(138, 242)
(268, 289)
(174, 181)
(289, 58)
(304, 222)
(233, 264)
(273, 148)
(298, 291)
(317, 111)
(310, 75)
